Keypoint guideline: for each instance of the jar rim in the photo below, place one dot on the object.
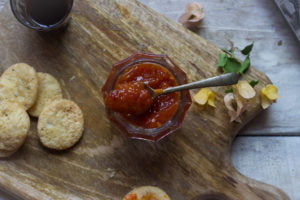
(40, 28)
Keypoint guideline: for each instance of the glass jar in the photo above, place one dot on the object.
(184, 101)
(42, 15)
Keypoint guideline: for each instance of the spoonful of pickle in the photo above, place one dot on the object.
(137, 97)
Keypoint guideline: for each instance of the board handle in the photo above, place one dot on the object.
(248, 189)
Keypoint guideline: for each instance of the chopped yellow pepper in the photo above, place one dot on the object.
(205, 96)
(268, 95)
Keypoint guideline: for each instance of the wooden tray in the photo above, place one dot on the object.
(192, 163)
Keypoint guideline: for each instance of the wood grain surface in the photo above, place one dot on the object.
(192, 163)
(270, 152)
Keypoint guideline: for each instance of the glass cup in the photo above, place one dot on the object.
(42, 15)
(151, 134)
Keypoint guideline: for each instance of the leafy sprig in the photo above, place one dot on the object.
(246, 51)
(229, 63)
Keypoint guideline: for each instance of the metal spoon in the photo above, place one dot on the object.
(222, 80)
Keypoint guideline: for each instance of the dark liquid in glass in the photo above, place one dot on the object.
(48, 12)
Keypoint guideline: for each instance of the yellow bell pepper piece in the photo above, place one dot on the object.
(205, 96)
(268, 95)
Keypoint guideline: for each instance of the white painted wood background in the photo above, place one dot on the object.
(268, 149)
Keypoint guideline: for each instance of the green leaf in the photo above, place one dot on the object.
(253, 83)
(229, 63)
(246, 51)
(245, 65)
(232, 65)
(230, 90)
(222, 60)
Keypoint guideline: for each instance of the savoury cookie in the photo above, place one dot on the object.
(14, 126)
(48, 91)
(19, 83)
(60, 124)
(147, 192)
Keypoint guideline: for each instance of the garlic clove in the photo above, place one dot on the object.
(245, 90)
(230, 99)
(193, 15)
(241, 107)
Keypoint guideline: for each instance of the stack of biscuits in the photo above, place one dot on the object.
(23, 91)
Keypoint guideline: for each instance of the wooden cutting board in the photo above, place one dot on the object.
(191, 164)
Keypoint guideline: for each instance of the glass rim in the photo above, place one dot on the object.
(40, 28)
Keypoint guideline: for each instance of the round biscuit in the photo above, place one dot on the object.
(48, 91)
(60, 124)
(14, 126)
(147, 192)
(19, 83)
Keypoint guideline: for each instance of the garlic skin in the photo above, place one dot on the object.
(238, 101)
(230, 99)
(193, 15)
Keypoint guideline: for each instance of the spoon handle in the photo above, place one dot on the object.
(222, 80)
